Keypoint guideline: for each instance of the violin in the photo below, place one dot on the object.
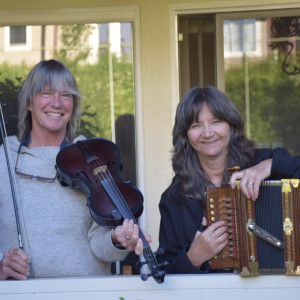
(93, 166)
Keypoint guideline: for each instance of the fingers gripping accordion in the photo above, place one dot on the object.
(263, 235)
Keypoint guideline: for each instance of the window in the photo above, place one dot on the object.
(17, 35)
(105, 77)
(120, 96)
(17, 38)
(239, 36)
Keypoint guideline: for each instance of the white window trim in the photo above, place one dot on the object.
(213, 6)
(8, 47)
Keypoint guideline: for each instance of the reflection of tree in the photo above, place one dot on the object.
(74, 41)
(274, 102)
(11, 80)
(286, 27)
(93, 81)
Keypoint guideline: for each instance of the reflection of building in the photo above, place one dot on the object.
(33, 43)
(255, 37)
(244, 36)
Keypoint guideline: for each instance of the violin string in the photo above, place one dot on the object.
(114, 189)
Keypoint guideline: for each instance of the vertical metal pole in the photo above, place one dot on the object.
(111, 93)
(247, 97)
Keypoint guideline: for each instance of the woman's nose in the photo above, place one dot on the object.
(56, 99)
(207, 131)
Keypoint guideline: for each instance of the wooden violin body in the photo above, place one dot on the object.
(74, 170)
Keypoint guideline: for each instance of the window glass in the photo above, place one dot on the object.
(18, 35)
(103, 70)
(239, 36)
(262, 76)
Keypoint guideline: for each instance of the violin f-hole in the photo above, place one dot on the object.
(86, 176)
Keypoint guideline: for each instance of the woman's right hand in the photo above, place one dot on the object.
(208, 243)
(14, 264)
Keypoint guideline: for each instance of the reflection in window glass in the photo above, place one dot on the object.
(18, 35)
(262, 76)
(239, 35)
(103, 70)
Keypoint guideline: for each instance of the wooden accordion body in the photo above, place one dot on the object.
(264, 236)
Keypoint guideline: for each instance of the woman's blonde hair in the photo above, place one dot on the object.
(57, 77)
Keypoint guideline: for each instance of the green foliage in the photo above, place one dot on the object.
(74, 48)
(93, 81)
(11, 80)
(274, 102)
(94, 84)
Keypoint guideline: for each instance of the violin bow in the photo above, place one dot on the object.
(11, 177)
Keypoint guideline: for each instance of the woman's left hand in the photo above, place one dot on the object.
(127, 235)
(251, 178)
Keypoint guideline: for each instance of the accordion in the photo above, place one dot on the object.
(264, 236)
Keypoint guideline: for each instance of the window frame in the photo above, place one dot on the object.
(8, 47)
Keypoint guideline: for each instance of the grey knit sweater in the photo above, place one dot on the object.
(58, 232)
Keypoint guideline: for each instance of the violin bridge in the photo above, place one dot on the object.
(101, 169)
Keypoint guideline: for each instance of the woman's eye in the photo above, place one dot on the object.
(46, 94)
(66, 95)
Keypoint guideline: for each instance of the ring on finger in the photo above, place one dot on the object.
(250, 182)
(127, 237)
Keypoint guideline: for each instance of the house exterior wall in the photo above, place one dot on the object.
(159, 95)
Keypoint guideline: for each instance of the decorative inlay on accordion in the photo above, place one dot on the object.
(264, 236)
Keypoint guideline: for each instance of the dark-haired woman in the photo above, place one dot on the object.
(208, 137)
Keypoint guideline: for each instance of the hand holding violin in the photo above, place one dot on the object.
(127, 235)
(14, 264)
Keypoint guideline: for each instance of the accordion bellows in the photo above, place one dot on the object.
(263, 235)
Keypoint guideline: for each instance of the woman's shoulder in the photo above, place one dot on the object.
(13, 143)
(265, 153)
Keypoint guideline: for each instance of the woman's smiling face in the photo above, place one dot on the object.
(51, 111)
(208, 135)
